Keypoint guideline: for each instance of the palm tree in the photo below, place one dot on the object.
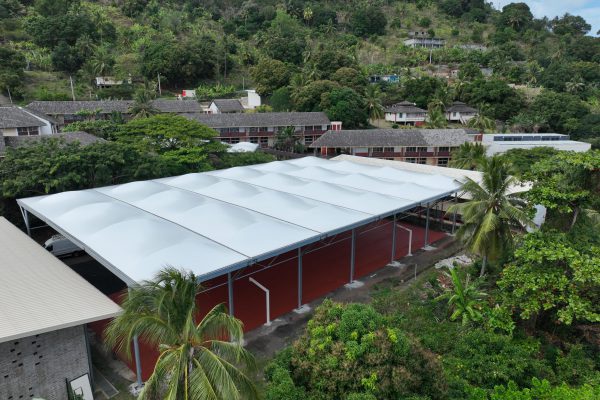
(469, 155)
(482, 123)
(102, 62)
(287, 140)
(195, 361)
(464, 299)
(373, 100)
(492, 214)
(436, 119)
(142, 106)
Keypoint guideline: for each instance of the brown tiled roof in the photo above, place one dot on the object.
(229, 105)
(109, 106)
(15, 141)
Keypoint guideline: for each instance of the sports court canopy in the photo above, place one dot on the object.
(219, 221)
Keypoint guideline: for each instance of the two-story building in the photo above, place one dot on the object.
(422, 146)
(427, 42)
(262, 128)
(405, 113)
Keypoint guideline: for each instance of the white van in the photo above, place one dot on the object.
(60, 246)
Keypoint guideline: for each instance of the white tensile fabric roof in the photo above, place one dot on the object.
(219, 221)
(38, 293)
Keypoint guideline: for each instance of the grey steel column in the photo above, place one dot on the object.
(427, 227)
(454, 212)
(26, 219)
(138, 361)
(352, 252)
(230, 293)
(394, 240)
(299, 277)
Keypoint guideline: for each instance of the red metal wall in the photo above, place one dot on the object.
(326, 267)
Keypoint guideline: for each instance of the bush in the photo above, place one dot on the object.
(351, 351)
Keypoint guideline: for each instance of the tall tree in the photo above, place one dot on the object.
(142, 106)
(492, 214)
(373, 102)
(198, 358)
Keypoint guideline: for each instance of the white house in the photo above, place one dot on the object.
(502, 142)
(460, 112)
(405, 113)
(18, 121)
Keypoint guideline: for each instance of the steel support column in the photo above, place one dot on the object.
(299, 278)
(352, 255)
(454, 213)
(427, 227)
(394, 239)
(230, 293)
(138, 361)
(25, 215)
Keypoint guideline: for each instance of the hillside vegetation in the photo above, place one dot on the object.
(310, 55)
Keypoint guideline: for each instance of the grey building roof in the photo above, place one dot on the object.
(394, 137)
(404, 107)
(15, 141)
(14, 117)
(459, 106)
(229, 105)
(109, 106)
(261, 119)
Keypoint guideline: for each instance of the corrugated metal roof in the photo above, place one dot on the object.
(38, 293)
(220, 221)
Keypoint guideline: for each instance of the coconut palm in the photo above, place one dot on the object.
(469, 155)
(436, 119)
(492, 214)
(102, 62)
(464, 299)
(482, 123)
(199, 359)
(142, 106)
(373, 101)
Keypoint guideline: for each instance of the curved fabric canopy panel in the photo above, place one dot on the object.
(219, 221)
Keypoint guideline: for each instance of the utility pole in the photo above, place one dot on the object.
(72, 90)
(159, 88)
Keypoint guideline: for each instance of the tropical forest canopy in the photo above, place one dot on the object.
(311, 55)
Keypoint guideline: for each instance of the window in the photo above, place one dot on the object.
(28, 131)
(422, 149)
(253, 139)
(389, 158)
(442, 162)
(235, 140)
(309, 139)
(411, 149)
(388, 149)
(422, 160)
(410, 160)
(253, 129)
(377, 149)
(264, 140)
(446, 149)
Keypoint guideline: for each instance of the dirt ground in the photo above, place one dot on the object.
(265, 341)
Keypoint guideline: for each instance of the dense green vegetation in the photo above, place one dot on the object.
(307, 55)
(527, 329)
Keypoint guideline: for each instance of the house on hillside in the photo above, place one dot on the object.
(262, 128)
(405, 113)
(427, 42)
(19, 121)
(224, 106)
(421, 146)
(110, 81)
(460, 112)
